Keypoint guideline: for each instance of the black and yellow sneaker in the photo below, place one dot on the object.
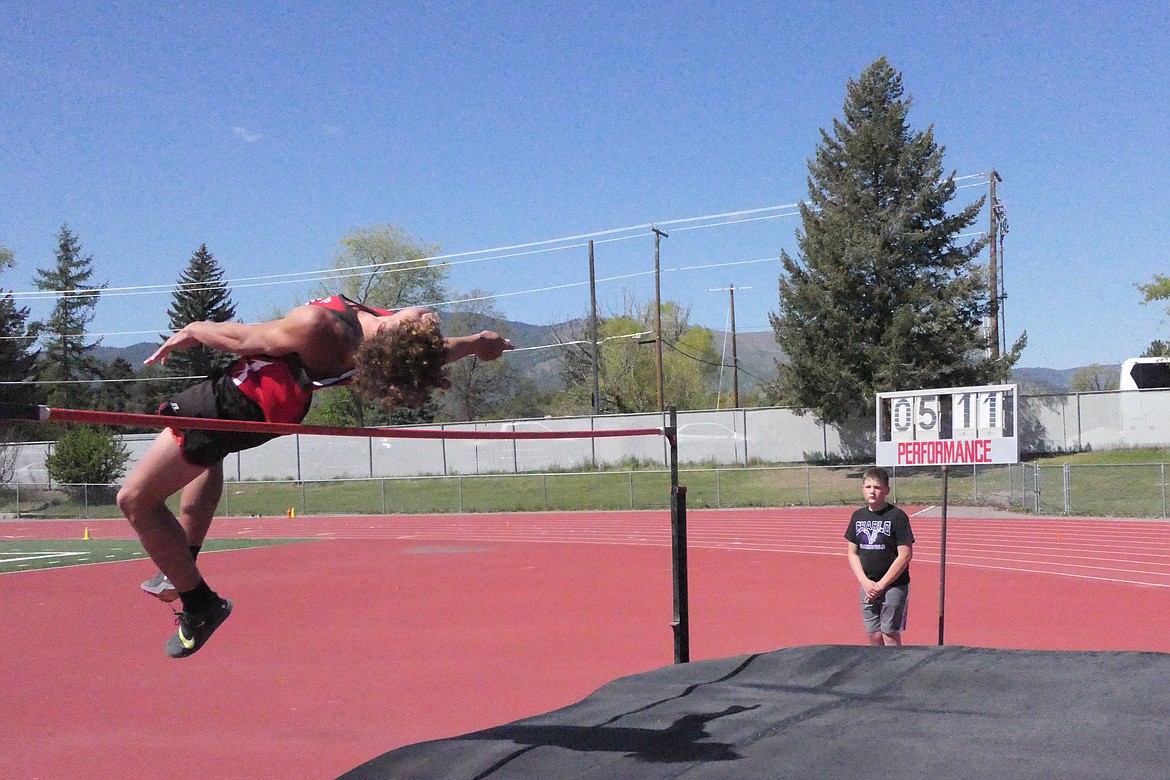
(196, 628)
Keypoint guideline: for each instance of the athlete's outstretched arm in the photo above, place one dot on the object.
(292, 333)
(485, 345)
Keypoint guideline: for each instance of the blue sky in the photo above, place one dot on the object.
(269, 131)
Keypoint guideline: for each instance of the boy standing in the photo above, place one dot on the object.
(880, 547)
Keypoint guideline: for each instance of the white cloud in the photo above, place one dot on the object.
(246, 135)
(331, 130)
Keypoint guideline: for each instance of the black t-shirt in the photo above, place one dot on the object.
(877, 536)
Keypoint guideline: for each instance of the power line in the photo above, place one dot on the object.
(300, 277)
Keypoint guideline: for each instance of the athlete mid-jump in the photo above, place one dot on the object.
(395, 358)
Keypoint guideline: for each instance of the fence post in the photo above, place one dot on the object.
(1066, 472)
(1163, 470)
(743, 415)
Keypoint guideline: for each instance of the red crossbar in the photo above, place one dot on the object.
(52, 414)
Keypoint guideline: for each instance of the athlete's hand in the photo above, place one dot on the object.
(490, 345)
(182, 339)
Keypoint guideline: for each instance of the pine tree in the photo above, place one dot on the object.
(201, 295)
(116, 392)
(18, 361)
(881, 297)
(65, 355)
(17, 357)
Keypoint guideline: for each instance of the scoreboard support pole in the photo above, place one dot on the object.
(942, 559)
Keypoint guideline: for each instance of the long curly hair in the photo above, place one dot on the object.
(401, 365)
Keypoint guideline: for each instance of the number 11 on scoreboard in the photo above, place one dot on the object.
(977, 415)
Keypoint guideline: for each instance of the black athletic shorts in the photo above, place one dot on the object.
(215, 398)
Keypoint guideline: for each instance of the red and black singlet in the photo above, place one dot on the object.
(281, 386)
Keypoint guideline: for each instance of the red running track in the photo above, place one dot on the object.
(394, 630)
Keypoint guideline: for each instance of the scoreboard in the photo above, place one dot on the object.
(954, 426)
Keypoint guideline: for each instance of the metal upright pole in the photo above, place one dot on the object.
(678, 543)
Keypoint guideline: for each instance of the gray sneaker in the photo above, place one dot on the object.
(161, 588)
(196, 628)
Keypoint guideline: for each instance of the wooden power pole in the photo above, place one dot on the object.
(734, 354)
(658, 234)
(993, 269)
(593, 333)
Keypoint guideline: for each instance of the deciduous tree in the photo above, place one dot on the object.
(627, 363)
(380, 266)
(1094, 378)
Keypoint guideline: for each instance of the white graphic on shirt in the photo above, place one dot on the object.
(871, 530)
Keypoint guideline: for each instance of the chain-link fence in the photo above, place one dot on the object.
(1081, 490)
(721, 438)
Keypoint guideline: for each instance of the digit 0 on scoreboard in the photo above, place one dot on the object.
(947, 426)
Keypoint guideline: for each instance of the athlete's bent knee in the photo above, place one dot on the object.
(136, 504)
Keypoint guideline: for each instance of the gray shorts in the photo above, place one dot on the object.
(888, 613)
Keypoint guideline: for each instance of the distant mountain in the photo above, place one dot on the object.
(1052, 380)
(757, 352)
(133, 354)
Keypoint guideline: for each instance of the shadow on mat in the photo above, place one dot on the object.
(678, 742)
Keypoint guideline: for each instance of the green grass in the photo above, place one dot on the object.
(1131, 456)
(29, 555)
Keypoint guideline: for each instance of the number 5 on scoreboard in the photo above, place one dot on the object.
(915, 418)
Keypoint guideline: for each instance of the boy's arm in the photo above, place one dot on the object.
(905, 553)
(855, 564)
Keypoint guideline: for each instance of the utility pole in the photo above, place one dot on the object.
(593, 333)
(993, 311)
(734, 354)
(658, 234)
